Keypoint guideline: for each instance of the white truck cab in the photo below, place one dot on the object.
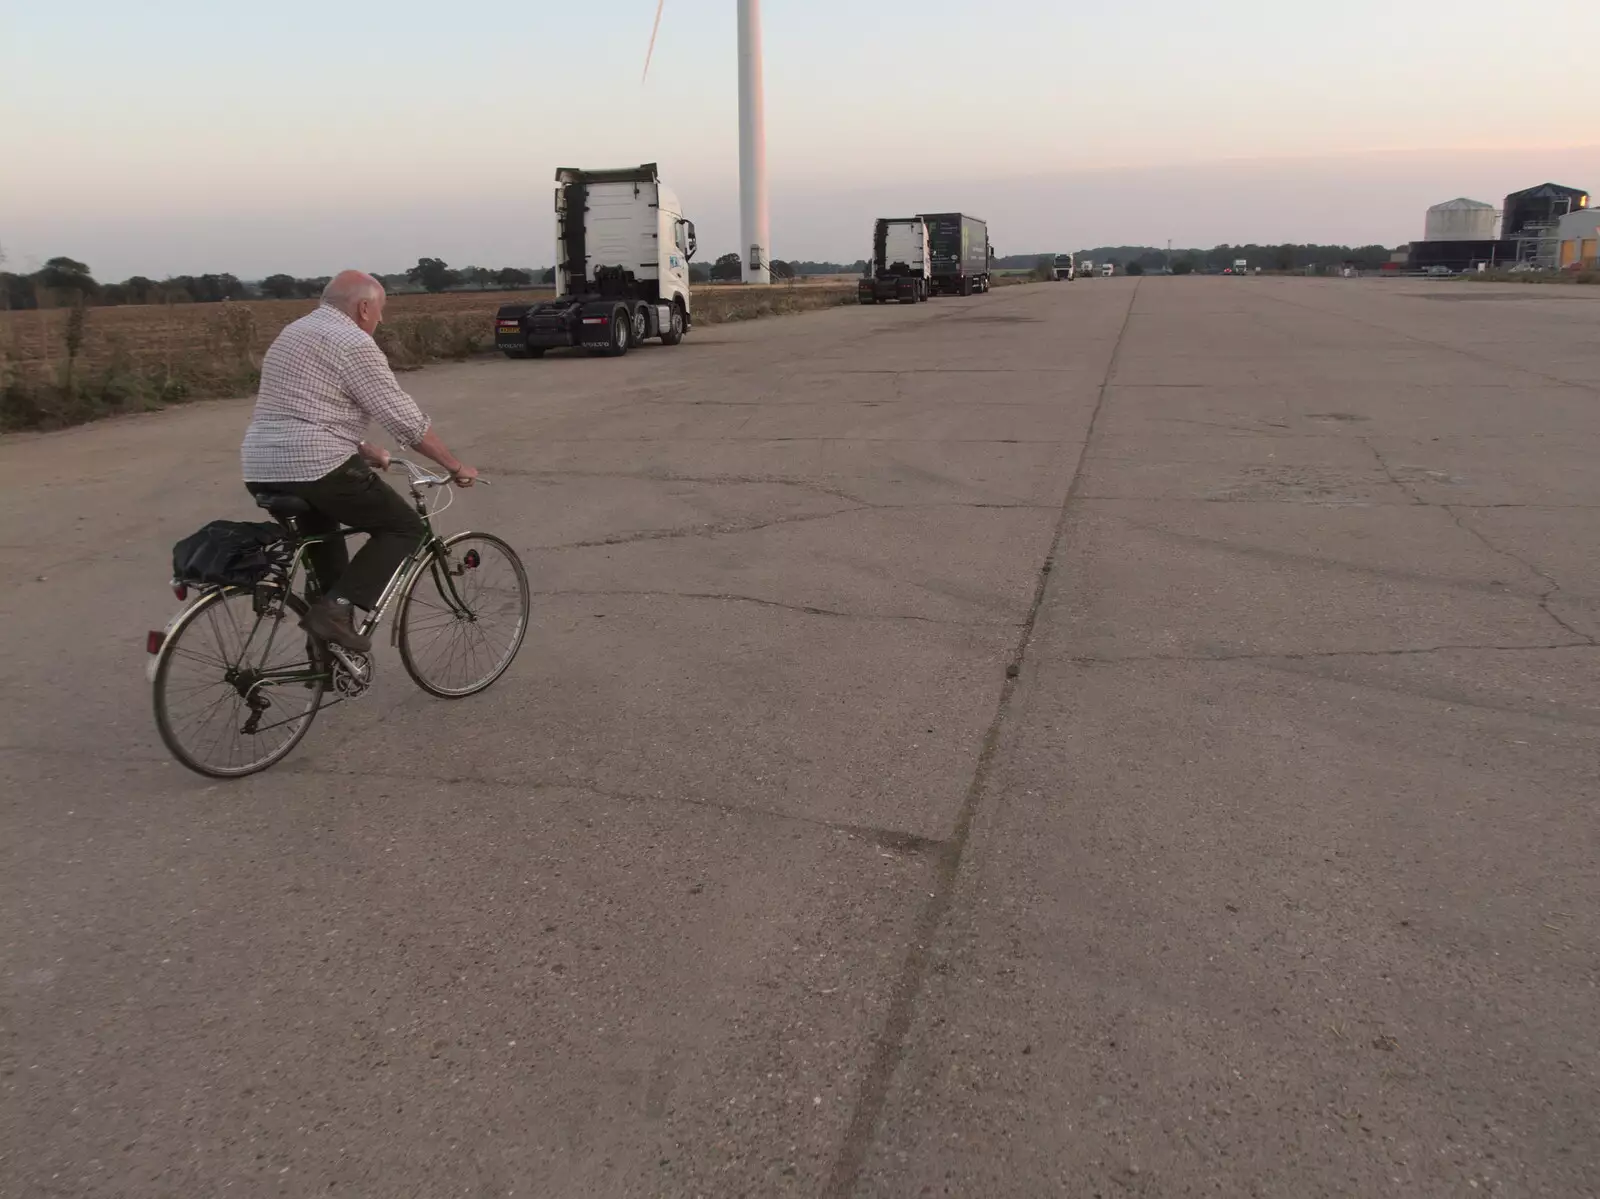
(623, 248)
(634, 223)
(901, 264)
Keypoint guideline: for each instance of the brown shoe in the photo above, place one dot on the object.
(336, 623)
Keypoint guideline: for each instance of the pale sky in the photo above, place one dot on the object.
(183, 136)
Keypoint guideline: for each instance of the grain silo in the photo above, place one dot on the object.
(1461, 220)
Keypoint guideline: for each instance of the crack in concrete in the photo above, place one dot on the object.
(1552, 585)
(671, 477)
(715, 530)
(805, 609)
(872, 1098)
(1290, 558)
(1318, 655)
(1454, 698)
(999, 370)
(775, 480)
(1217, 499)
(1388, 471)
(731, 528)
(898, 840)
(809, 439)
(1441, 345)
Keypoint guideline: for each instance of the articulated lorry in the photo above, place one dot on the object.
(622, 268)
(901, 264)
(960, 251)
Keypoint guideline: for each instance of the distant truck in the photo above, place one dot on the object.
(1065, 268)
(960, 251)
(622, 268)
(1107, 269)
(1086, 269)
(902, 262)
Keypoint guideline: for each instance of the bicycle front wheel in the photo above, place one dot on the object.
(463, 615)
(235, 691)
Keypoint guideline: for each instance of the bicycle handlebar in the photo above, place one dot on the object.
(424, 478)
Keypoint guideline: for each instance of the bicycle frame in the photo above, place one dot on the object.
(430, 553)
(225, 668)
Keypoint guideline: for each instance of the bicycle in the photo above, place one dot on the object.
(226, 664)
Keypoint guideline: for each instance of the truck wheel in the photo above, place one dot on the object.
(674, 332)
(621, 334)
(641, 322)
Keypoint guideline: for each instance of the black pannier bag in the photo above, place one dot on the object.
(238, 552)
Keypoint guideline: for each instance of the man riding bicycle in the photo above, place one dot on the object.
(322, 381)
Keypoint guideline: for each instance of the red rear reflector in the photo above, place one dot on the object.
(181, 590)
(152, 642)
(596, 320)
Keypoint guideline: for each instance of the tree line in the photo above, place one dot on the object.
(1285, 257)
(66, 282)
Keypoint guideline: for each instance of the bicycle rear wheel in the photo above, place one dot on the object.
(234, 691)
(463, 616)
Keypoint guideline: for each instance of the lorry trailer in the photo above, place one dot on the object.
(960, 252)
(623, 249)
(901, 263)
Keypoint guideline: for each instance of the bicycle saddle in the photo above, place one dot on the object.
(281, 504)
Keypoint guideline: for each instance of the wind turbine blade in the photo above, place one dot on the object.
(654, 29)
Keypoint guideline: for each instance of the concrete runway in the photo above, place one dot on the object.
(1120, 738)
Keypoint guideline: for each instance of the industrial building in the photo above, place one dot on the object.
(1578, 240)
(1540, 228)
(1531, 219)
(1461, 219)
(1491, 254)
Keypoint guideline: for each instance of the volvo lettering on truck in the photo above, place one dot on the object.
(623, 248)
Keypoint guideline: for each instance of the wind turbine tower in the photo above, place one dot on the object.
(753, 228)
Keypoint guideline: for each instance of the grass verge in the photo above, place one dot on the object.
(68, 366)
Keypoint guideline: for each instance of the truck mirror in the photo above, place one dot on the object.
(693, 245)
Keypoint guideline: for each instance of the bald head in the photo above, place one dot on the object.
(358, 295)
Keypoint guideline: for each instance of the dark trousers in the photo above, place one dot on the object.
(352, 494)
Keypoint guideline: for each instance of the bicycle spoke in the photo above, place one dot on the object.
(227, 672)
(464, 621)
